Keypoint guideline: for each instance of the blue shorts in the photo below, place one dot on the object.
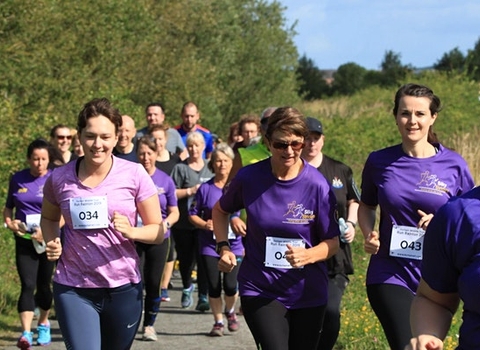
(98, 318)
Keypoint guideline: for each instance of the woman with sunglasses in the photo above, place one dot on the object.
(291, 231)
(61, 139)
(409, 181)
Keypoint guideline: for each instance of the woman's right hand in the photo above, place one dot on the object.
(425, 342)
(372, 243)
(54, 249)
(227, 261)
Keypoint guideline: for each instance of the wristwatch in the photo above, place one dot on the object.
(167, 224)
(222, 244)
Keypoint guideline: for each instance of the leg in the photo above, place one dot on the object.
(78, 316)
(391, 304)
(305, 327)
(168, 271)
(268, 322)
(120, 316)
(185, 245)
(331, 321)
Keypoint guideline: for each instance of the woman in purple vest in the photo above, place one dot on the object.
(291, 231)
(409, 182)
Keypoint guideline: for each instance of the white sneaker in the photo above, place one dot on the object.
(149, 334)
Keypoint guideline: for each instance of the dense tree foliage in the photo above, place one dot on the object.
(231, 57)
(348, 79)
(452, 61)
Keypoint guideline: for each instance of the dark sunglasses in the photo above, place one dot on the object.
(296, 145)
(63, 137)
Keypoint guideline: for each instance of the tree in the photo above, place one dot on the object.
(452, 61)
(312, 83)
(473, 62)
(348, 79)
(393, 70)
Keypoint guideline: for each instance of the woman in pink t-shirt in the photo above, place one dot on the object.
(97, 284)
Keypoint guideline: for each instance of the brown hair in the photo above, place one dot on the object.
(96, 108)
(287, 120)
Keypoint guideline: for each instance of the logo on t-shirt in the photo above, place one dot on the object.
(430, 183)
(337, 183)
(22, 190)
(297, 214)
(160, 190)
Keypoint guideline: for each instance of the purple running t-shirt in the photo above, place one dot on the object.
(401, 185)
(166, 193)
(301, 208)
(451, 260)
(207, 195)
(100, 257)
(25, 193)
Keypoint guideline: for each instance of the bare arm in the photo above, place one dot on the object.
(430, 317)
(198, 222)
(173, 214)
(352, 218)
(50, 225)
(366, 221)
(152, 231)
(220, 219)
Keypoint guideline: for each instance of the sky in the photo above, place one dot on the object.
(335, 32)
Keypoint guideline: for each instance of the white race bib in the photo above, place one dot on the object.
(275, 249)
(89, 212)
(32, 221)
(407, 242)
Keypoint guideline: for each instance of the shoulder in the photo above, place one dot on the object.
(335, 163)
(450, 154)
(202, 129)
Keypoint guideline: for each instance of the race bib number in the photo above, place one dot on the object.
(275, 251)
(89, 212)
(32, 221)
(407, 242)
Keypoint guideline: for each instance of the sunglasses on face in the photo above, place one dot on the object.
(296, 145)
(63, 137)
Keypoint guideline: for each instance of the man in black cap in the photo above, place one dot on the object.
(340, 177)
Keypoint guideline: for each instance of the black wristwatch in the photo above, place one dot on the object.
(222, 244)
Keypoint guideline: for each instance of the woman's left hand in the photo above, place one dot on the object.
(296, 256)
(122, 225)
(424, 219)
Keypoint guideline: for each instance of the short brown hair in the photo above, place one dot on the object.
(287, 120)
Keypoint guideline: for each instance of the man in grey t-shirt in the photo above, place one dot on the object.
(154, 113)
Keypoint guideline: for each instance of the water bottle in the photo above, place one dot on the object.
(342, 225)
(39, 247)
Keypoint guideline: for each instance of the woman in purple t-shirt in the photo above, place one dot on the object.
(200, 215)
(21, 214)
(291, 231)
(97, 284)
(409, 182)
(154, 256)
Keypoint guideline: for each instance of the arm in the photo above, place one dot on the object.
(299, 257)
(12, 224)
(352, 218)
(186, 192)
(153, 230)
(220, 219)
(198, 222)
(430, 317)
(236, 166)
(50, 226)
(172, 217)
(366, 221)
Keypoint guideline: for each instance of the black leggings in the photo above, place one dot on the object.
(331, 321)
(153, 258)
(214, 277)
(391, 304)
(275, 327)
(186, 243)
(35, 271)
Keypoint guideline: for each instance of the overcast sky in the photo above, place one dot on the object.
(335, 32)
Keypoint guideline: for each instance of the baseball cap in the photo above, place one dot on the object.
(314, 125)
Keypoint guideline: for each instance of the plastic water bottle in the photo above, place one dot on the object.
(342, 225)
(39, 247)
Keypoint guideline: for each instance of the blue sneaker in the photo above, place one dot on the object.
(202, 304)
(187, 298)
(164, 295)
(44, 337)
(25, 341)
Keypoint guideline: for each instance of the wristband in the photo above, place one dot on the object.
(353, 224)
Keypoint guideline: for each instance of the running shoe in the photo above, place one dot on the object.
(164, 295)
(232, 321)
(202, 304)
(217, 330)
(44, 337)
(149, 334)
(187, 298)
(25, 341)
